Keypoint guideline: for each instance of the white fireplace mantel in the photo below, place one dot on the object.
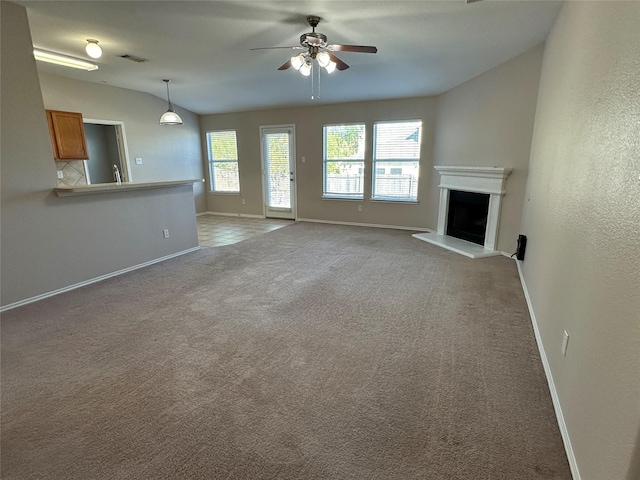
(489, 180)
(474, 179)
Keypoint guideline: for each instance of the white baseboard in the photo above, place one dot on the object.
(94, 280)
(376, 225)
(552, 386)
(224, 214)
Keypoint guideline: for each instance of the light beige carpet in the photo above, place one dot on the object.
(311, 352)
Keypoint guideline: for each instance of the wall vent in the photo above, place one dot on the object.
(133, 58)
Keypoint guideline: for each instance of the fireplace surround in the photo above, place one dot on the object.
(484, 180)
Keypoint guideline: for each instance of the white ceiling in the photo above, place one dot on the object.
(424, 47)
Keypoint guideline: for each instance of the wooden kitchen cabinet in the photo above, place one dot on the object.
(67, 135)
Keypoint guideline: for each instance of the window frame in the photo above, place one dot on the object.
(359, 163)
(212, 162)
(399, 160)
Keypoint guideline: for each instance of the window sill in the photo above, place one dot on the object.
(389, 200)
(224, 193)
(348, 199)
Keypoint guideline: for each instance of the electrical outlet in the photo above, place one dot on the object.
(60, 174)
(165, 232)
(244, 202)
(138, 160)
(304, 159)
(565, 342)
(359, 208)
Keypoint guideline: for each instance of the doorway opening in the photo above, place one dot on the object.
(106, 143)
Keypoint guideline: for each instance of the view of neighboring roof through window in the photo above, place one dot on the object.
(396, 160)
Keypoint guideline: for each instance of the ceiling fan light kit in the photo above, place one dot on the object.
(318, 49)
(305, 68)
(331, 67)
(297, 61)
(323, 59)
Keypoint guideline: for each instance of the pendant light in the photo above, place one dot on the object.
(170, 117)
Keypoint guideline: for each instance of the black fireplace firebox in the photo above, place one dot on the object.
(467, 216)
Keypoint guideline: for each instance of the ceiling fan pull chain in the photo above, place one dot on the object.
(312, 75)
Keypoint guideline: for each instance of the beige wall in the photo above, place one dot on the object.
(488, 122)
(168, 153)
(308, 122)
(48, 242)
(582, 219)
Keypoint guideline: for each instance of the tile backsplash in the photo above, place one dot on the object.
(73, 173)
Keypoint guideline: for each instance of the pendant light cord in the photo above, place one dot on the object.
(168, 97)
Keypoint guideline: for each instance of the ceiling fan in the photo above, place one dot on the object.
(318, 49)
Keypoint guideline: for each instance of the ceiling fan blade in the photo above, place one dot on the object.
(285, 65)
(340, 65)
(295, 47)
(352, 48)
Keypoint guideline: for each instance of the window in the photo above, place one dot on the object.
(396, 147)
(223, 161)
(343, 161)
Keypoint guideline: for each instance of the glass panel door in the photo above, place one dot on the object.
(278, 164)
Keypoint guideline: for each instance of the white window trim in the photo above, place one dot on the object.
(342, 196)
(374, 162)
(211, 163)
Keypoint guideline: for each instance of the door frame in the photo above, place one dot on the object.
(291, 128)
(121, 138)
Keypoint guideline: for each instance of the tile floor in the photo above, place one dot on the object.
(218, 230)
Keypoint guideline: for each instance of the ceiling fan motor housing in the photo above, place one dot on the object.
(313, 39)
(313, 21)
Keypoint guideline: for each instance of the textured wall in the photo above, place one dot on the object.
(488, 122)
(582, 219)
(169, 153)
(49, 242)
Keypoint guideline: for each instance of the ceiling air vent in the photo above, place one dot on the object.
(133, 58)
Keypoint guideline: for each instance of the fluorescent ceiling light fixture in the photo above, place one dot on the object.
(65, 61)
(93, 49)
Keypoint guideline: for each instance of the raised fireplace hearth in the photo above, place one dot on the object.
(466, 228)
